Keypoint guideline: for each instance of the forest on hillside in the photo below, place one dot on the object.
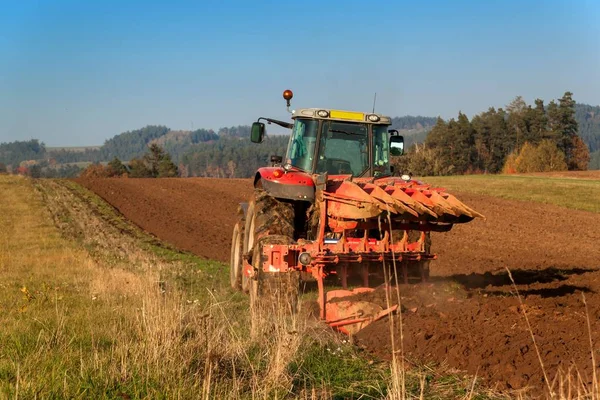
(588, 119)
(482, 143)
(520, 138)
(202, 152)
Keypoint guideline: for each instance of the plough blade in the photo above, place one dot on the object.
(407, 201)
(348, 316)
(397, 206)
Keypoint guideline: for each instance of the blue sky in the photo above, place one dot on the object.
(77, 73)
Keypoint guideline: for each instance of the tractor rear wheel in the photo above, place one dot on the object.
(266, 216)
(235, 261)
(272, 291)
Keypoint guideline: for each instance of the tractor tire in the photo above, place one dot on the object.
(273, 291)
(266, 215)
(235, 260)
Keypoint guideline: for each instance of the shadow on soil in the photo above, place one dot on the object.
(560, 291)
(484, 283)
(521, 277)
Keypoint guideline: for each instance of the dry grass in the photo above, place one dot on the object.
(577, 194)
(87, 311)
(74, 325)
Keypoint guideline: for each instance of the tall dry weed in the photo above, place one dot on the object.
(113, 321)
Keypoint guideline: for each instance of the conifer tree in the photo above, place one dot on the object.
(116, 167)
(166, 167)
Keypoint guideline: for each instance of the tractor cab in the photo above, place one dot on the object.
(337, 142)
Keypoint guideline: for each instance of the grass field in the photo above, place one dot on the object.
(577, 194)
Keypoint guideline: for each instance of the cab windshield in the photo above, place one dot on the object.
(343, 148)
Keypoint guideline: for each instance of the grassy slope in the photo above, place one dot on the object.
(578, 194)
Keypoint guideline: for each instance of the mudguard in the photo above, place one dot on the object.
(293, 185)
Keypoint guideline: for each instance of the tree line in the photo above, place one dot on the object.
(520, 138)
(155, 163)
(489, 142)
(231, 157)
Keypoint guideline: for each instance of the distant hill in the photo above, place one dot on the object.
(132, 144)
(410, 123)
(14, 153)
(183, 144)
(177, 143)
(414, 129)
(74, 149)
(588, 119)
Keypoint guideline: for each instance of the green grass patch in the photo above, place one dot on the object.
(339, 368)
(577, 194)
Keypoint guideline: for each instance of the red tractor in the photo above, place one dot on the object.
(333, 208)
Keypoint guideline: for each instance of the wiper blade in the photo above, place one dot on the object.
(346, 132)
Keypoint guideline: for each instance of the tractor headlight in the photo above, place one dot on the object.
(323, 113)
(373, 118)
(406, 177)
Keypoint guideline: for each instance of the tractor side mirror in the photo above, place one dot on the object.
(396, 145)
(257, 132)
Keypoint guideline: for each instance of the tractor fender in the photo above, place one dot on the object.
(292, 185)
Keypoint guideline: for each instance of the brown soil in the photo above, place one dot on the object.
(467, 316)
(194, 214)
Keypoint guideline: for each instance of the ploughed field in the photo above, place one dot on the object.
(468, 315)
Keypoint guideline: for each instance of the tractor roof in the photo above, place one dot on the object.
(341, 115)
